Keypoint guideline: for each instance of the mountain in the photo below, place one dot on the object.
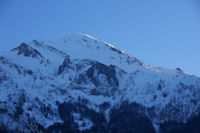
(81, 84)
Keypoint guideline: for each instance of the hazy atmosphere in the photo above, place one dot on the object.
(164, 34)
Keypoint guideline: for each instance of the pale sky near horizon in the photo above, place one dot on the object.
(163, 33)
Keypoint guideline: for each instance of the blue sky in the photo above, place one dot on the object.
(163, 33)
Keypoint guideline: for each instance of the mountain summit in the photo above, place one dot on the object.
(82, 84)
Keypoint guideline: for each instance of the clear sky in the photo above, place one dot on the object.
(163, 33)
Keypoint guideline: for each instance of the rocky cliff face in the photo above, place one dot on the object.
(82, 84)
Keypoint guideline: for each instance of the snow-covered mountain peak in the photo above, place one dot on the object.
(97, 39)
(88, 36)
(58, 83)
(84, 46)
(84, 38)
